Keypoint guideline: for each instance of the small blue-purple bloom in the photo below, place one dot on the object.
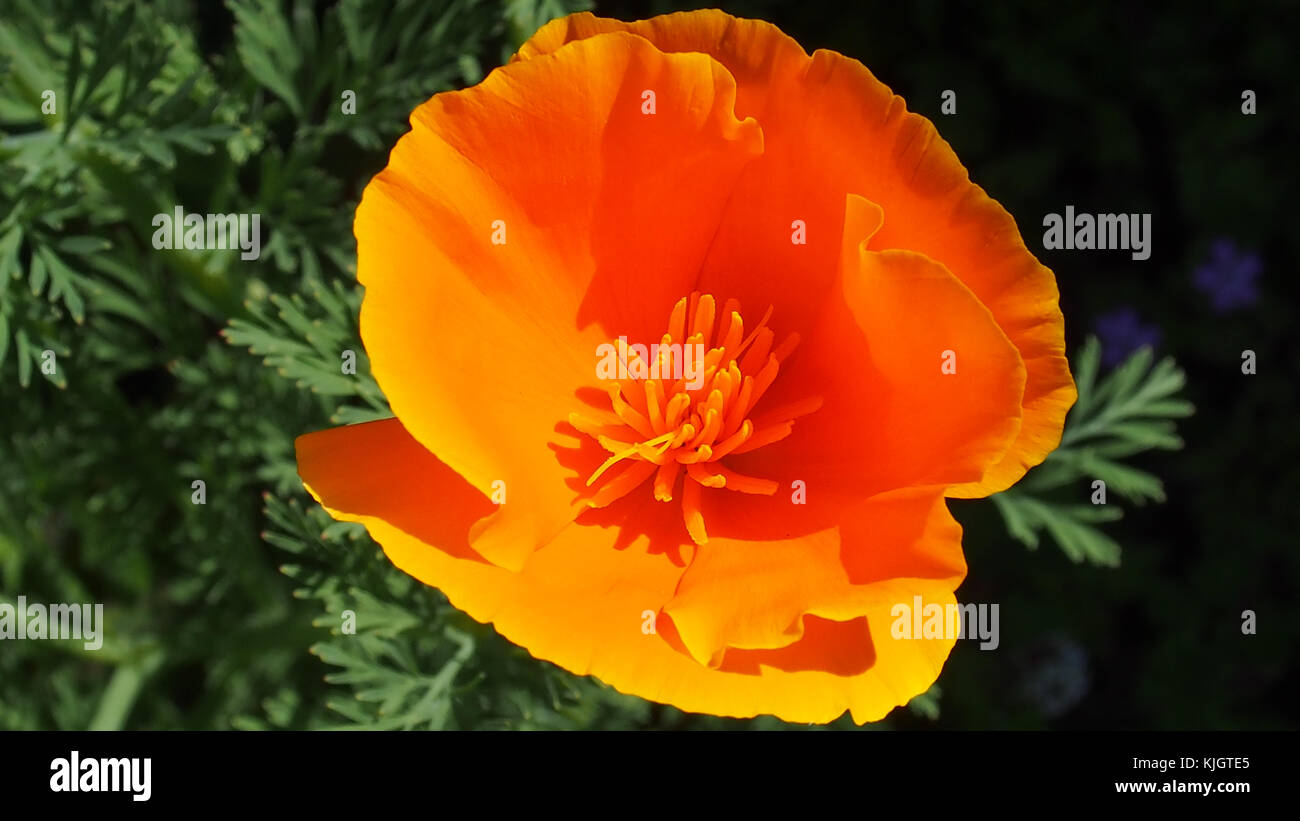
(1056, 674)
(1121, 333)
(1228, 276)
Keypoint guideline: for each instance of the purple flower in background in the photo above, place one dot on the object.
(1228, 276)
(1121, 333)
(1054, 674)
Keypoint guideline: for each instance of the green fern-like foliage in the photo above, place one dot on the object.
(150, 387)
(1132, 410)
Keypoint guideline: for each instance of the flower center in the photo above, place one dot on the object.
(680, 406)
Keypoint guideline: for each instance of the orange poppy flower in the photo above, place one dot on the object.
(732, 538)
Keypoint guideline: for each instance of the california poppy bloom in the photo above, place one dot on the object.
(875, 336)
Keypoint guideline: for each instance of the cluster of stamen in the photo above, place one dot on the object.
(680, 428)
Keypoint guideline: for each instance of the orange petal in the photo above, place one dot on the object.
(954, 380)
(378, 469)
(831, 129)
(891, 417)
(588, 607)
(518, 226)
(754, 595)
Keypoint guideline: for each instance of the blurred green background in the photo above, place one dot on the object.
(183, 365)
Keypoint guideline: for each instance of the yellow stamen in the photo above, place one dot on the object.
(665, 424)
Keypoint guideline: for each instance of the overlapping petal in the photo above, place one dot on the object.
(893, 415)
(575, 196)
(520, 224)
(832, 129)
(582, 604)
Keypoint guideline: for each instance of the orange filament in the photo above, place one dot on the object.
(679, 415)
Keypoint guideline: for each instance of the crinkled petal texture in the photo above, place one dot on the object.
(832, 129)
(577, 195)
